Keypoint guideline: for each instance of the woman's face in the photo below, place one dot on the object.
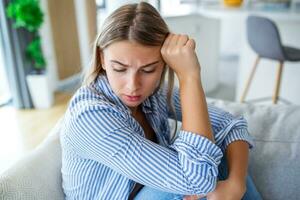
(133, 70)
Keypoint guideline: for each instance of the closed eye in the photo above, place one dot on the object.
(148, 71)
(148, 68)
(119, 70)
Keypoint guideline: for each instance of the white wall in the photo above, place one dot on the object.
(205, 32)
(231, 36)
(47, 46)
(83, 32)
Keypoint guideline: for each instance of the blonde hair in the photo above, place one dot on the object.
(140, 23)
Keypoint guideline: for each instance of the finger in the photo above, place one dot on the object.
(176, 39)
(182, 40)
(193, 197)
(166, 44)
(186, 198)
(191, 43)
(168, 38)
(173, 40)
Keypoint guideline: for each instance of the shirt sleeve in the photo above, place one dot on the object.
(226, 127)
(103, 135)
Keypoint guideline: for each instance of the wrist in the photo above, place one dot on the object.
(188, 79)
(237, 178)
(238, 184)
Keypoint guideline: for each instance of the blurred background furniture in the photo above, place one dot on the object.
(264, 38)
(262, 87)
(274, 162)
(221, 31)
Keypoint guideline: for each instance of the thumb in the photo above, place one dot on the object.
(187, 198)
(191, 43)
(193, 197)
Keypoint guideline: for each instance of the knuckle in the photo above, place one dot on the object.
(185, 50)
(169, 51)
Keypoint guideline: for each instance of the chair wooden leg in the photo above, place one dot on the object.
(277, 84)
(250, 79)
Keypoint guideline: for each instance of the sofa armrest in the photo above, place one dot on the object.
(37, 175)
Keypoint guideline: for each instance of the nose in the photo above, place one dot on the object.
(133, 82)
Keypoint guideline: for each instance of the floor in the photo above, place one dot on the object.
(23, 130)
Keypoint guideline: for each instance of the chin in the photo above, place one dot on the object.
(132, 105)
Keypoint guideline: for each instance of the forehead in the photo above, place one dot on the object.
(128, 50)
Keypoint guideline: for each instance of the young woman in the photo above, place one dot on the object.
(116, 142)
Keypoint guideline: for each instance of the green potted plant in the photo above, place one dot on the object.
(27, 14)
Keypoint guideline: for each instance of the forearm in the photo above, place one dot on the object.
(237, 158)
(178, 51)
(195, 116)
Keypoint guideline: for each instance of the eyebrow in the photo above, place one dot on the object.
(147, 65)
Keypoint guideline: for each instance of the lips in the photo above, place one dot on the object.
(132, 98)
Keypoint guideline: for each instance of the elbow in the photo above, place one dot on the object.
(205, 185)
(210, 185)
(203, 181)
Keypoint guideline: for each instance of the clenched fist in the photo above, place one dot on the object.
(178, 51)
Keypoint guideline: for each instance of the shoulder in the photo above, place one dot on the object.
(165, 90)
(87, 98)
(216, 111)
(221, 118)
(90, 117)
(88, 106)
(219, 115)
(159, 100)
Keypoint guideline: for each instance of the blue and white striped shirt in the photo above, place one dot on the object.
(105, 152)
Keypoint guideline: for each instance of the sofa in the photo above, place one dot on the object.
(274, 162)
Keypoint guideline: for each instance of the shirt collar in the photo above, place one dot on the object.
(147, 105)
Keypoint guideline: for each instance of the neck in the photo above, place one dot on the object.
(134, 110)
